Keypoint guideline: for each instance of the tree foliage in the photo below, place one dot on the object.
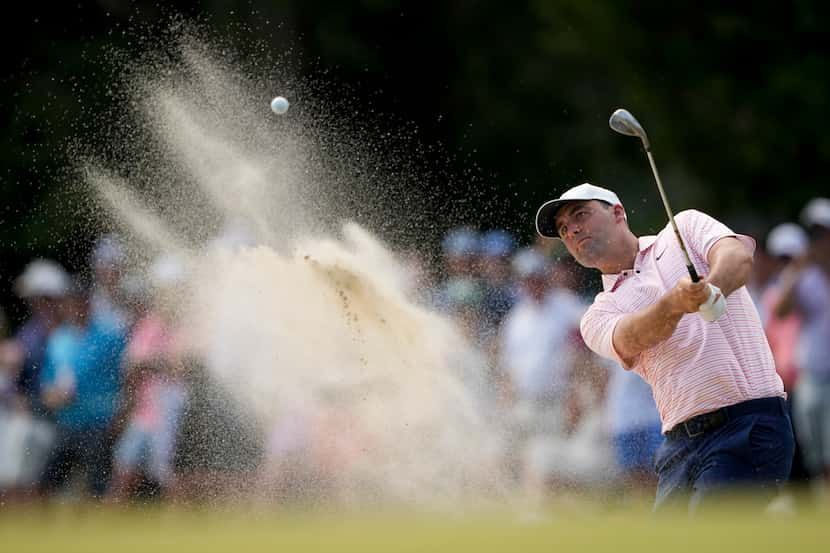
(733, 97)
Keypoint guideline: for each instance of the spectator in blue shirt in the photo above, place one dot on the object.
(80, 384)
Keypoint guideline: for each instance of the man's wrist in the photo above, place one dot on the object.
(669, 307)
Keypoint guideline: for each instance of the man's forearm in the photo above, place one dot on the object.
(646, 328)
(730, 264)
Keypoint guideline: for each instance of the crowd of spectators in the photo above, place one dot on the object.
(791, 288)
(99, 396)
(575, 422)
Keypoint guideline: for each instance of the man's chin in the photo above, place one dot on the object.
(587, 261)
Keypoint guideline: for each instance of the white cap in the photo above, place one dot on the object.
(108, 252)
(43, 277)
(546, 216)
(816, 212)
(529, 262)
(166, 271)
(787, 239)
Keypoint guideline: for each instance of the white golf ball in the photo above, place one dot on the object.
(279, 105)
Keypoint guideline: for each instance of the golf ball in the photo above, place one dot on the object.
(279, 105)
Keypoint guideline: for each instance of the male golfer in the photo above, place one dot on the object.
(721, 402)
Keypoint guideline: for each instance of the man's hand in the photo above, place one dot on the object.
(644, 329)
(687, 296)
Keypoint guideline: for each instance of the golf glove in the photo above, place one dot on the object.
(715, 306)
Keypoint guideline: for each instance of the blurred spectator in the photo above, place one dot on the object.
(763, 272)
(580, 458)
(318, 449)
(287, 472)
(805, 289)
(536, 356)
(15, 421)
(535, 349)
(469, 359)
(42, 285)
(154, 394)
(635, 427)
(785, 242)
(80, 384)
(219, 445)
(500, 292)
(460, 249)
(29, 431)
(108, 297)
(463, 299)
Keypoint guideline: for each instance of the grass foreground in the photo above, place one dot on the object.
(74, 528)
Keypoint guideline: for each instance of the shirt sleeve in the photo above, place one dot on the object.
(597, 328)
(700, 232)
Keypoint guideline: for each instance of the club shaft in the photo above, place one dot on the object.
(692, 271)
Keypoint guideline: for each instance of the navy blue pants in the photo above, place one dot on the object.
(751, 449)
(89, 450)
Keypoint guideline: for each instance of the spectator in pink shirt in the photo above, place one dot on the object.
(155, 395)
(721, 402)
(785, 242)
(805, 290)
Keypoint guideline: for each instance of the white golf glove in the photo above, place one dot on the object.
(715, 306)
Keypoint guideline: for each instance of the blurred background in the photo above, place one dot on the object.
(509, 104)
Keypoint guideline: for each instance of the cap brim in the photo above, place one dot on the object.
(546, 218)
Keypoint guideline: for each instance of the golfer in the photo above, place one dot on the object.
(724, 421)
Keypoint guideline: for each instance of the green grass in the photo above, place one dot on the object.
(66, 529)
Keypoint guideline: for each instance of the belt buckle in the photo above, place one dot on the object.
(689, 432)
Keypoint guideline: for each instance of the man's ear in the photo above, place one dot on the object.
(619, 213)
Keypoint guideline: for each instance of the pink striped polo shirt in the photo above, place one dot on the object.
(702, 366)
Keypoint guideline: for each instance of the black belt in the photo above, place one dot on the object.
(701, 424)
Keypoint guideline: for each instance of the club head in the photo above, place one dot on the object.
(624, 123)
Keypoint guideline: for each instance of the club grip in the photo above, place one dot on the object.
(693, 273)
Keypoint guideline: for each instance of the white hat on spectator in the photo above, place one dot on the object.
(528, 263)
(787, 240)
(108, 252)
(43, 277)
(166, 271)
(460, 242)
(816, 212)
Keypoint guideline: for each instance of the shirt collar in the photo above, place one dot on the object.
(644, 243)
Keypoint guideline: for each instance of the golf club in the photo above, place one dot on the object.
(624, 123)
